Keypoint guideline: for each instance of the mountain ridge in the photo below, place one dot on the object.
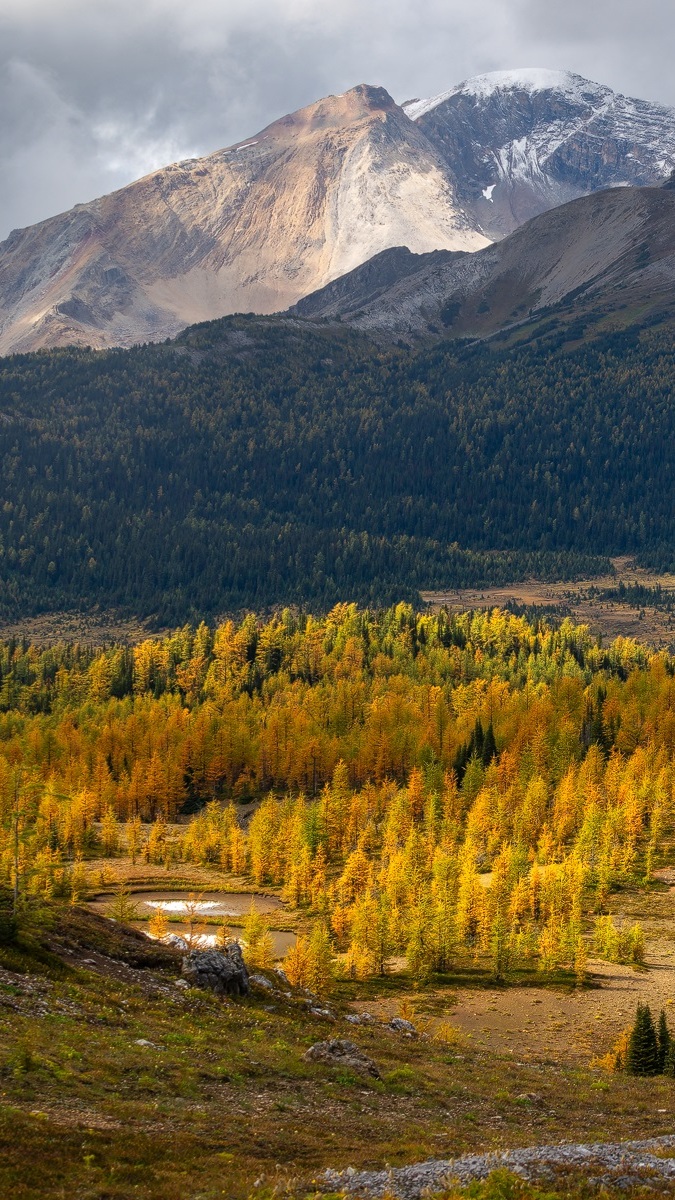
(521, 142)
(612, 252)
(262, 223)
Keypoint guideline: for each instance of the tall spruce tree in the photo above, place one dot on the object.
(663, 1039)
(642, 1057)
(489, 746)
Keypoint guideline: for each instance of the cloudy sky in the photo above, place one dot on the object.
(94, 93)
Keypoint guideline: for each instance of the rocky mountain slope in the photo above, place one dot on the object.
(263, 223)
(613, 253)
(520, 142)
(253, 227)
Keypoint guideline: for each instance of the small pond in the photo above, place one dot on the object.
(211, 907)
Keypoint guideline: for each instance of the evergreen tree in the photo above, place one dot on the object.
(158, 924)
(258, 939)
(642, 1057)
(663, 1039)
(489, 746)
(669, 1064)
(296, 963)
(320, 961)
(580, 962)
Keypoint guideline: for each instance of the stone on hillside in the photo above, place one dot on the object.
(261, 981)
(220, 971)
(400, 1026)
(339, 1052)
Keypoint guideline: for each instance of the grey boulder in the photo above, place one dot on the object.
(399, 1025)
(338, 1052)
(220, 971)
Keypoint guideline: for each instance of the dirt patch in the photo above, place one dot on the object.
(607, 618)
(91, 629)
(563, 1026)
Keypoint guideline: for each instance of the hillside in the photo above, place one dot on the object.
(609, 256)
(258, 225)
(257, 462)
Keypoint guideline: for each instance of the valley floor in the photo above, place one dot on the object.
(583, 601)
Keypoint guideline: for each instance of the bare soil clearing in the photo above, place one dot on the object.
(606, 618)
(560, 1025)
(95, 628)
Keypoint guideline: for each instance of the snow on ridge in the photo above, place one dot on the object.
(529, 79)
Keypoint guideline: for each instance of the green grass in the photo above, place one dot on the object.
(224, 1097)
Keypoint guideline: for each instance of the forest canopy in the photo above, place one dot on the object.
(251, 464)
(469, 780)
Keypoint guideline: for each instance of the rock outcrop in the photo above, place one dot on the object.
(620, 1165)
(520, 142)
(220, 971)
(611, 252)
(250, 228)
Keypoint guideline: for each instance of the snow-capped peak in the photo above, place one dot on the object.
(527, 79)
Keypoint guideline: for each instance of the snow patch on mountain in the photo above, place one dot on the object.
(528, 79)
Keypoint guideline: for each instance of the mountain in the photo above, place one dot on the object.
(271, 219)
(253, 227)
(520, 142)
(610, 254)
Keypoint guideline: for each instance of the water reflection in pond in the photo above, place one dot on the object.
(209, 907)
(281, 938)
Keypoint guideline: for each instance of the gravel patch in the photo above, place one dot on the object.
(618, 1164)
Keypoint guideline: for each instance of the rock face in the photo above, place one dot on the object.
(220, 971)
(259, 225)
(520, 142)
(612, 252)
(339, 1052)
(252, 227)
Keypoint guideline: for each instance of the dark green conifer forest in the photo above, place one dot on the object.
(257, 462)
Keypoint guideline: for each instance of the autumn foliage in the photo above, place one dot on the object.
(428, 785)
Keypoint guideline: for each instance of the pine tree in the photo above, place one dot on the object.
(296, 963)
(320, 961)
(489, 746)
(500, 950)
(642, 1057)
(581, 962)
(134, 836)
(223, 934)
(663, 1039)
(122, 907)
(78, 881)
(110, 833)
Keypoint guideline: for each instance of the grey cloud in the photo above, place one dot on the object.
(94, 93)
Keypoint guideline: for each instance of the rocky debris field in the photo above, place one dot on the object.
(620, 1165)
